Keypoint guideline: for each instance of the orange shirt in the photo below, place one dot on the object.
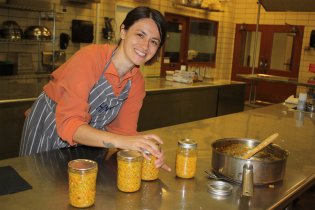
(72, 82)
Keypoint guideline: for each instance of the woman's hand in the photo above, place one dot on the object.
(160, 162)
(141, 143)
(146, 142)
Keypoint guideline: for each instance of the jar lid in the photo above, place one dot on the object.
(128, 154)
(82, 164)
(219, 187)
(187, 143)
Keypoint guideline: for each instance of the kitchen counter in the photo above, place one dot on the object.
(272, 78)
(47, 172)
(29, 86)
(161, 84)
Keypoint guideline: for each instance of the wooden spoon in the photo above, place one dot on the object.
(260, 146)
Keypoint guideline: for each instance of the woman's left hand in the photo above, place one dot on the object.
(160, 163)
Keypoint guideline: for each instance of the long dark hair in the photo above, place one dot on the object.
(147, 12)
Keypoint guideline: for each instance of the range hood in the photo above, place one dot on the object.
(288, 5)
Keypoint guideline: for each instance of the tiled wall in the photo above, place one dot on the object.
(234, 11)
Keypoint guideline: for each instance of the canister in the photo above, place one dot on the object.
(129, 170)
(186, 158)
(149, 171)
(82, 182)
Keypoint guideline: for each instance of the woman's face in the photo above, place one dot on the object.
(141, 41)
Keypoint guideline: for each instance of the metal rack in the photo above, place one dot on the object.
(43, 14)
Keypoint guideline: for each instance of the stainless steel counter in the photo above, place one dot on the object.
(272, 78)
(47, 172)
(28, 87)
(161, 84)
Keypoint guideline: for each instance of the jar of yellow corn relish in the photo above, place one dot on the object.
(186, 158)
(82, 182)
(149, 171)
(129, 170)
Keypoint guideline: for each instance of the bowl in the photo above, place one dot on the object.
(11, 30)
(37, 33)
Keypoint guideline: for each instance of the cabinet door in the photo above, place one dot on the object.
(172, 107)
(231, 99)
(202, 41)
(175, 51)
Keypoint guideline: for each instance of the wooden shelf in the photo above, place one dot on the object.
(196, 7)
(23, 41)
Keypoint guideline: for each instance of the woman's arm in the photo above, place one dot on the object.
(90, 136)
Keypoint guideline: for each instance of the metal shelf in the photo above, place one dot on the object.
(24, 8)
(43, 14)
(23, 41)
(196, 7)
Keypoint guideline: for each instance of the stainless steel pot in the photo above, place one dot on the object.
(265, 170)
(37, 33)
(11, 30)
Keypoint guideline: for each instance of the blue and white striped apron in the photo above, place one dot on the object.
(39, 130)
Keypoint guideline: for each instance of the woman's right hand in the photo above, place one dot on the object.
(141, 143)
(147, 142)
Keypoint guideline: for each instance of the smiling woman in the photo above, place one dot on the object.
(95, 97)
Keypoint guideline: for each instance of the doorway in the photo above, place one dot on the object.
(278, 52)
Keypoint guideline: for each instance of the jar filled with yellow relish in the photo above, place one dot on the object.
(129, 170)
(82, 182)
(186, 158)
(149, 170)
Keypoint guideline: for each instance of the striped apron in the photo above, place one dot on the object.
(39, 130)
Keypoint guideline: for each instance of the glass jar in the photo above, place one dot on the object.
(129, 170)
(149, 171)
(302, 101)
(82, 182)
(186, 158)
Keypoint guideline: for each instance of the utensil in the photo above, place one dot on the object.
(260, 146)
(212, 175)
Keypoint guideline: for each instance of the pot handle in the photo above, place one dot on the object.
(247, 180)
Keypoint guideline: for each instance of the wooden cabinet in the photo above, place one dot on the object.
(175, 49)
(171, 107)
(202, 42)
(190, 42)
(230, 99)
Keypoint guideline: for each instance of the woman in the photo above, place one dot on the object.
(94, 98)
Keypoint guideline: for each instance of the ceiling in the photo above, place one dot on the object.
(288, 5)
